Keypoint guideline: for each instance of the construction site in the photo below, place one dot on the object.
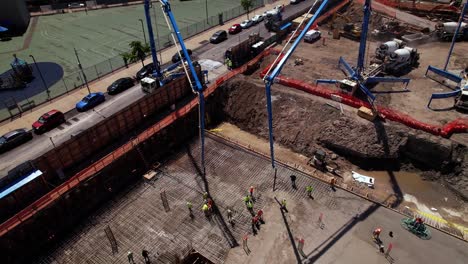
(299, 153)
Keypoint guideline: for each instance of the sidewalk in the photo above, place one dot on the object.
(67, 102)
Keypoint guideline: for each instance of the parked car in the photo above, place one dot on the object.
(219, 36)
(48, 121)
(14, 138)
(76, 5)
(145, 71)
(292, 2)
(257, 19)
(246, 24)
(176, 57)
(90, 101)
(280, 8)
(120, 85)
(236, 28)
(312, 35)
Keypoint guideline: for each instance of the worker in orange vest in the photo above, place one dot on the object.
(376, 233)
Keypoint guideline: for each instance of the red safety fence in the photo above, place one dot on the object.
(86, 173)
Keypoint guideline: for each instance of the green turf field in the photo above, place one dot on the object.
(103, 34)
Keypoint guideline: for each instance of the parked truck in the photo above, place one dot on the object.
(244, 51)
(387, 48)
(150, 84)
(445, 31)
(401, 61)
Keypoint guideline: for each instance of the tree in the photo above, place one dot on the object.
(247, 4)
(138, 52)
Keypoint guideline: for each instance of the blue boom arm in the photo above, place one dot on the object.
(198, 86)
(363, 41)
(157, 68)
(270, 78)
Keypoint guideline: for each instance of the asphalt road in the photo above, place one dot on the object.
(78, 122)
(216, 51)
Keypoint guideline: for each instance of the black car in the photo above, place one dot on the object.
(176, 57)
(219, 36)
(120, 85)
(145, 71)
(14, 138)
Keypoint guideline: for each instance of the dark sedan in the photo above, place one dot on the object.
(176, 57)
(14, 138)
(145, 71)
(219, 36)
(120, 85)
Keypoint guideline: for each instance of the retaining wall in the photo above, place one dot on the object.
(59, 163)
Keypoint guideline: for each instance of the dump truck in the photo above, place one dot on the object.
(446, 31)
(244, 51)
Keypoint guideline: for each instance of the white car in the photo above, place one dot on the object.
(246, 24)
(76, 5)
(294, 2)
(312, 35)
(257, 19)
(280, 8)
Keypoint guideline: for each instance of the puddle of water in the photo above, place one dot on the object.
(420, 194)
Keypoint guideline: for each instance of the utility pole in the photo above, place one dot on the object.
(206, 10)
(82, 72)
(143, 29)
(42, 77)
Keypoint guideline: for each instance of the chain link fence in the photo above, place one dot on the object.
(13, 107)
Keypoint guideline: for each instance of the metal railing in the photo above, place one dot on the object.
(75, 80)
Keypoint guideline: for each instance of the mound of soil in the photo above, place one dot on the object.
(305, 125)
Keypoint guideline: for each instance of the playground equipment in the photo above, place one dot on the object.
(416, 227)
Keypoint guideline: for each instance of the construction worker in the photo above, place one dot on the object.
(251, 191)
(205, 195)
(283, 205)
(332, 183)
(130, 257)
(255, 222)
(229, 216)
(247, 199)
(228, 63)
(293, 181)
(145, 255)
(309, 190)
(376, 233)
(417, 222)
(260, 216)
(210, 204)
(250, 206)
(189, 206)
(205, 209)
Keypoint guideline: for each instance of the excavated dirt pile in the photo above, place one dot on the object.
(305, 125)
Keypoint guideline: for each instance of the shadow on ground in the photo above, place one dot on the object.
(51, 72)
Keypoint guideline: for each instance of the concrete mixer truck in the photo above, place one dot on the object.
(401, 61)
(387, 48)
(446, 30)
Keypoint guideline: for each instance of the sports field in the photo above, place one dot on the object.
(103, 34)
